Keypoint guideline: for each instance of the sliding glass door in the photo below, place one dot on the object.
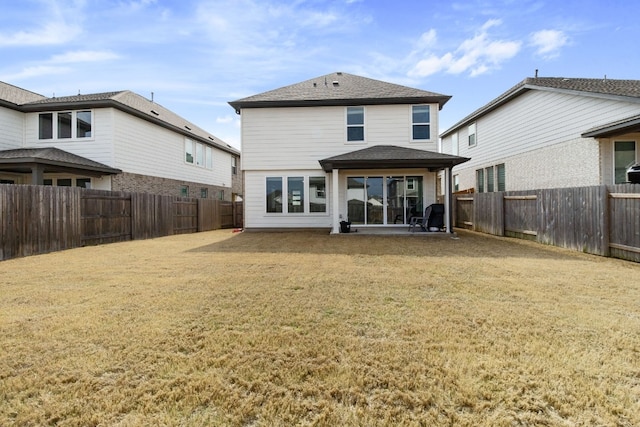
(384, 200)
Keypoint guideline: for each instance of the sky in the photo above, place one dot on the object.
(197, 55)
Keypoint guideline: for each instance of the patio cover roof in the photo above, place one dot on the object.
(391, 157)
(628, 125)
(51, 160)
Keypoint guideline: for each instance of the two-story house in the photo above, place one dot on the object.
(549, 133)
(340, 147)
(111, 141)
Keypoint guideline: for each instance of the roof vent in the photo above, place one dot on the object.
(155, 112)
(187, 127)
(211, 138)
(339, 73)
(336, 83)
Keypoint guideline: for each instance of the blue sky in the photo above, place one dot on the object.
(197, 55)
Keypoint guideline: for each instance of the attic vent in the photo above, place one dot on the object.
(155, 112)
(336, 83)
(187, 127)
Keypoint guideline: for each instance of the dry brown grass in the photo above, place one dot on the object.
(308, 329)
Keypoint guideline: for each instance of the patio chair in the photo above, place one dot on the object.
(433, 219)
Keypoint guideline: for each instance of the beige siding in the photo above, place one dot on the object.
(143, 148)
(97, 148)
(537, 136)
(11, 129)
(255, 197)
(285, 138)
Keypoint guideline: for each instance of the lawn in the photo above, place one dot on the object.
(282, 329)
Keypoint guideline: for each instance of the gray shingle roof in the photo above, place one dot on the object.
(54, 156)
(339, 89)
(391, 156)
(16, 95)
(628, 90)
(125, 100)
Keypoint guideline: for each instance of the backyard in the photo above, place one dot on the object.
(281, 329)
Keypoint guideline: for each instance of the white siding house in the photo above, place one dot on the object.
(549, 133)
(339, 148)
(111, 141)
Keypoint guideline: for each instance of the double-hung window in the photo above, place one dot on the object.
(480, 180)
(65, 125)
(355, 124)
(421, 121)
(471, 136)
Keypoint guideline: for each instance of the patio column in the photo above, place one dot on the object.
(36, 175)
(335, 201)
(448, 219)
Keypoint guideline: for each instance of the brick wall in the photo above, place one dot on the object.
(135, 183)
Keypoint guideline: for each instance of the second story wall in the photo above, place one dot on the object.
(97, 146)
(297, 137)
(534, 120)
(144, 148)
(11, 129)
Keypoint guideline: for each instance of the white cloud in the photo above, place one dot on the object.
(36, 71)
(225, 119)
(477, 55)
(53, 33)
(84, 56)
(548, 42)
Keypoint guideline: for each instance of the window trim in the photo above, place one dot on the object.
(306, 196)
(363, 125)
(615, 141)
(472, 142)
(413, 124)
(56, 129)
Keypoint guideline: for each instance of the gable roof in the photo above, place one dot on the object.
(626, 90)
(339, 89)
(19, 160)
(125, 100)
(391, 156)
(16, 96)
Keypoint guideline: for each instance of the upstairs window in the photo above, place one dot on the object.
(198, 154)
(355, 124)
(234, 165)
(65, 125)
(472, 135)
(454, 144)
(421, 122)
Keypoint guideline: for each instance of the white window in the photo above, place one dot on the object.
(355, 124)
(305, 194)
(188, 151)
(65, 125)
(480, 180)
(421, 122)
(209, 157)
(624, 157)
(490, 181)
(199, 154)
(472, 135)
(234, 165)
(501, 177)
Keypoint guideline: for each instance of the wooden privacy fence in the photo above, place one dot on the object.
(602, 220)
(40, 219)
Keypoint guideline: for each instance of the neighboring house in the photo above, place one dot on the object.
(338, 148)
(549, 133)
(117, 141)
